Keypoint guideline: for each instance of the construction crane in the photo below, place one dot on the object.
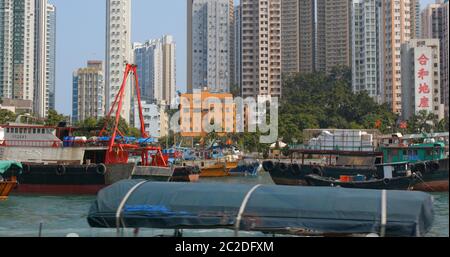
(118, 152)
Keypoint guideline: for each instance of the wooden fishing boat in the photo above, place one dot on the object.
(429, 158)
(8, 178)
(247, 167)
(213, 168)
(398, 183)
(6, 187)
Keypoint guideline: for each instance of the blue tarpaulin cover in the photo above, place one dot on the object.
(269, 208)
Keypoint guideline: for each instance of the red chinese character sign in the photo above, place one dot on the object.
(423, 79)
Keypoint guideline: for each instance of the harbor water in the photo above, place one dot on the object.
(56, 216)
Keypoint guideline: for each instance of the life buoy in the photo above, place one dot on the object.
(101, 169)
(317, 171)
(435, 166)
(60, 170)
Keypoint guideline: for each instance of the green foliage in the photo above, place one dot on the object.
(54, 118)
(319, 101)
(92, 127)
(7, 116)
(425, 122)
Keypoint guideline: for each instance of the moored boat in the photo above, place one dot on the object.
(268, 208)
(213, 168)
(247, 167)
(398, 183)
(345, 163)
(429, 158)
(8, 177)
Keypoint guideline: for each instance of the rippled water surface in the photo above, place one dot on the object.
(59, 216)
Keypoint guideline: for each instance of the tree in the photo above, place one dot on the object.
(443, 125)
(54, 118)
(317, 100)
(7, 116)
(422, 122)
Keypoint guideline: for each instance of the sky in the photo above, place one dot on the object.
(80, 33)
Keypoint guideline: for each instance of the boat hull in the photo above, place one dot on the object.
(400, 183)
(435, 181)
(6, 187)
(70, 179)
(217, 170)
(295, 174)
(213, 168)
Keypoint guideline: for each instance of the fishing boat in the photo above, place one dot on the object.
(396, 176)
(270, 209)
(247, 167)
(213, 168)
(213, 161)
(56, 162)
(9, 170)
(429, 158)
(338, 163)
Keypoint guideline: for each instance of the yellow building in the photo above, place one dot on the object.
(200, 111)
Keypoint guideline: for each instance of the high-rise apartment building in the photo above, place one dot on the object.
(44, 59)
(155, 60)
(118, 52)
(236, 80)
(333, 34)
(433, 26)
(298, 40)
(366, 20)
(169, 69)
(210, 50)
(17, 40)
(51, 57)
(88, 92)
(398, 27)
(416, 19)
(421, 78)
(261, 48)
(156, 120)
(445, 57)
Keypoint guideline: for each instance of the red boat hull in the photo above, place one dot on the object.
(432, 186)
(59, 189)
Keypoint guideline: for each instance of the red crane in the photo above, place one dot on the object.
(118, 151)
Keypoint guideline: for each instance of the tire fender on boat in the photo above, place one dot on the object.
(268, 166)
(101, 169)
(435, 166)
(60, 170)
(26, 168)
(318, 171)
(296, 169)
(283, 167)
(386, 181)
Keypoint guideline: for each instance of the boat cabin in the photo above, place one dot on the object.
(393, 170)
(414, 153)
(23, 135)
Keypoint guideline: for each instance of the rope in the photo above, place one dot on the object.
(242, 209)
(425, 183)
(383, 213)
(122, 204)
